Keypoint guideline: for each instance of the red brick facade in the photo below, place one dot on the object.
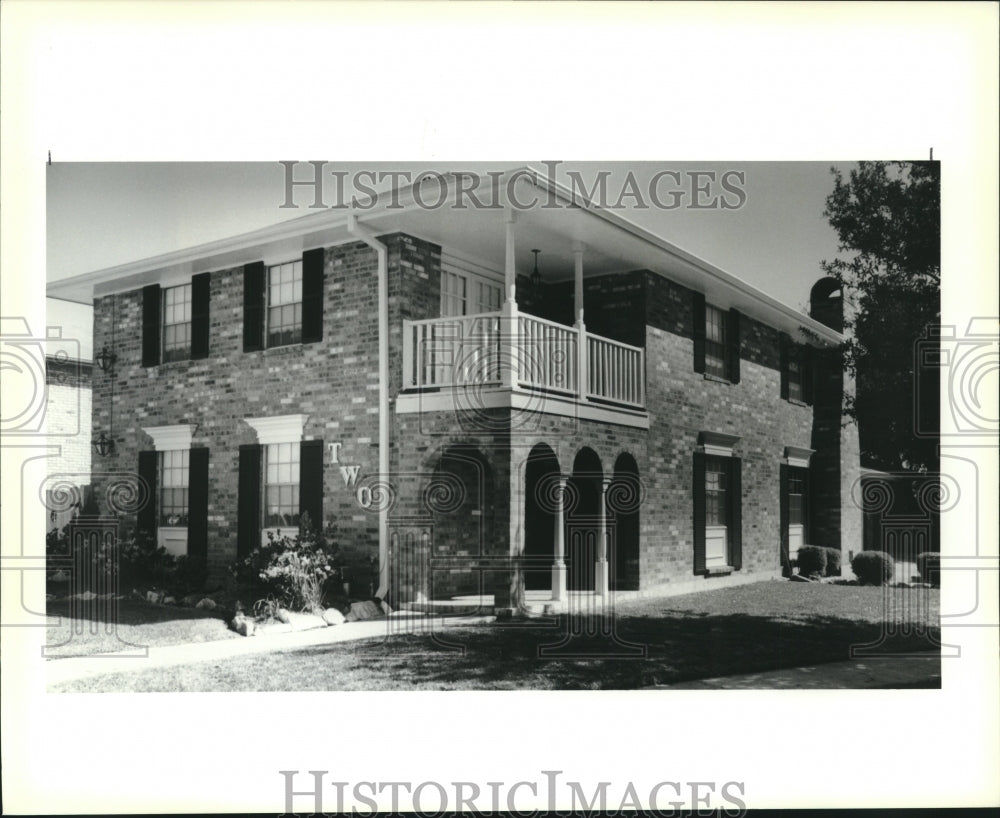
(457, 540)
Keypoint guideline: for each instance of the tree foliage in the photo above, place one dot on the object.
(888, 219)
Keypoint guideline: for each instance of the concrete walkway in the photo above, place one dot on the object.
(79, 667)
(881, 672)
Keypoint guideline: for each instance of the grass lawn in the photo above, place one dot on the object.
(138, 624)
(746, 629)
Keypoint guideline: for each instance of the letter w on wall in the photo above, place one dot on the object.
(350, 474)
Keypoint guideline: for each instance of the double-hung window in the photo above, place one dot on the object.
(715, 342)
(177, 323)
(173, 481)
(281, 485)
(284, 304)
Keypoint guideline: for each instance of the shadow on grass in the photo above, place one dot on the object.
(128, 612)
(678, 647)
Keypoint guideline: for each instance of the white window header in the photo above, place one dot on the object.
(717, 443)
(799, 457)
(170, 438)
(278, 429)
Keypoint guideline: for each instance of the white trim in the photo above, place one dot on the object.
(452, 400)
(717, 443)
(798, 457)
(171, 438)
(278, 429)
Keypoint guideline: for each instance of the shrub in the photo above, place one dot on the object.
(832, 561)
(929, 566)
(811, 560)
(873, 567)
(293, 571)
(141, 562)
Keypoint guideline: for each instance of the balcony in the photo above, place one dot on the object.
(521, 354)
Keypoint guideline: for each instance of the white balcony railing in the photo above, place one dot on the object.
(541, 355)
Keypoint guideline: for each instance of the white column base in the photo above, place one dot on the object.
(559, 581)
(601, 578)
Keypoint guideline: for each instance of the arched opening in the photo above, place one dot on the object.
(458, 499)
(541, 469)
(624, 498)
(583, 520)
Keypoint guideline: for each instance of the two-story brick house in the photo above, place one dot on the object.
(610, 414)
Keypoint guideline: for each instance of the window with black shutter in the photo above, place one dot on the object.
(146, 515)
(248, 500)
(200, 315)
(254, 276)
(716, 341)
(197, 548)
(151, 325)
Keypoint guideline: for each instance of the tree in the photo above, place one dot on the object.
(888, 219)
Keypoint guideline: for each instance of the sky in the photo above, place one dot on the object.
(103, 214)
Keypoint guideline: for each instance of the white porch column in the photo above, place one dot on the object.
(509, 322)
(559, 564)
(601, 567)
(581, 328)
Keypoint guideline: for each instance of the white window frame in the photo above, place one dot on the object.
(296, 290)
(275, 430)
(171, 439)
(478, 292)
(711, 342)
(186, 306)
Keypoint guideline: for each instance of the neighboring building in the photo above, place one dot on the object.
(68, 373)
(464, 425)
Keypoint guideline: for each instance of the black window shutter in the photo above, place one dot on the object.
(151, 325)
(698, 493)
(312, 295)
(253, 306)
(198, 505)
(805, 505)
(311, 481)
(807, 374)
(201, 286)
(145, 519)
(733, 335)
(735, 532)
(783, 515)
(248, 502)
(698, 316)
(785, 343)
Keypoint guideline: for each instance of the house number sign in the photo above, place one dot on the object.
(350, 475)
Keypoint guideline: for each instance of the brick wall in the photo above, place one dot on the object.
(335, 383)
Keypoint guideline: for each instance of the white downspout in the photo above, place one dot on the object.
(368, 237)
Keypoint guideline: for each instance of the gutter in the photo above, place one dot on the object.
(367, 235)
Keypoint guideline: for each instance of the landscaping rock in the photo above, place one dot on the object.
(86, 596)
(243, 625)
(206, 604)
(267, 628)
(304, 621)
(60, 576)
(155, 597)
(385, 607)
(169, 600)
(361, 611)
(333, 617)
(190, 599)
(282, 616)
